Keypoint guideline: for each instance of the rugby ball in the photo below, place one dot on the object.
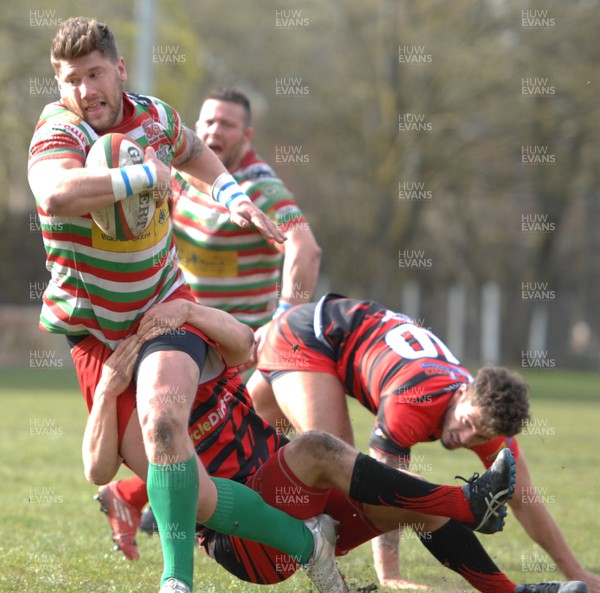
(128, 218)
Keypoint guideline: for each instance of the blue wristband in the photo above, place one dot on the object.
(282, 307)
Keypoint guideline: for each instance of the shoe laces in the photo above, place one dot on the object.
(472, 481)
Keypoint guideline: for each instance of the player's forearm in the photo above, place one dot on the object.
(385, 556)
(542, 529)
(199, 164)
(300, 270)
(100, 448)
(72, 191)
(235, 339)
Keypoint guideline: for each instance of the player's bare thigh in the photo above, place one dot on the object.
(314, 400)
(264, 402)
(166, 386)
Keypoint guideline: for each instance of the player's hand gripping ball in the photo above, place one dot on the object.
(128, 218)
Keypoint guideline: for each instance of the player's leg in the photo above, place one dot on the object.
(234, 509)
(455, 546)
(167, 378)
(265, 404)
(321, 460)
(310, 399)
(122, 502)
(358, 522)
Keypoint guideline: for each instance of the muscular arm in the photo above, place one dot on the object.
(100, 447)
(531, 512)
(64, 187)
(203, 167)
(198, 163)
(302, 259)
(301, 262)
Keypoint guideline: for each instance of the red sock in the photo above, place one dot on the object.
(133, 490)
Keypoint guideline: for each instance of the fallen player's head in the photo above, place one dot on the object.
(494, 404)
(502, 396)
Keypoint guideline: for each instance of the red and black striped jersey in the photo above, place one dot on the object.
(230, 438)
(399, 370)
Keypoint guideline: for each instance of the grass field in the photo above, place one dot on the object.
(53, 539)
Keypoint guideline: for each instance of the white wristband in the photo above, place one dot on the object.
(133, 179)
(225, 190)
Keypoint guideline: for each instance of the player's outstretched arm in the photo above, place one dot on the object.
(531, 512)
(100, 447)
(207, 174)
(301, 263)
(235, 339)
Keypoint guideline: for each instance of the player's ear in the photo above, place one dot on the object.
(248, 134)
(464, 393)
(122, 69)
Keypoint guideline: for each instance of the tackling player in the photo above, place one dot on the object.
(313, 474)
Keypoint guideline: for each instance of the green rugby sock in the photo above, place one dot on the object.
(173, 493)
(243, 513)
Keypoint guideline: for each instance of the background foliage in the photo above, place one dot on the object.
(328, 81)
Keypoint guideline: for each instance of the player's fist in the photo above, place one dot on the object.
(162, 187)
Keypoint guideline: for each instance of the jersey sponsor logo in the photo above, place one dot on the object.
(207, 423)
(209, 263)
(152, 236)
(153, 131)
(72, 130)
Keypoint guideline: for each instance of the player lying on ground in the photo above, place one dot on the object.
(314, 474)
(405, 375)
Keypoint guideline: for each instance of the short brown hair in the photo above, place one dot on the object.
(80, 36)
(502, 396)
(232, 95)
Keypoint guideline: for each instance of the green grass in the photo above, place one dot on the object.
(52, 537)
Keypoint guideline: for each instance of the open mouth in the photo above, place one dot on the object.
(216, 148)
(95, 107)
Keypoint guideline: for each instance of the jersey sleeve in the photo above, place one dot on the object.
(55, 138)
(276, 200)
(403, 420)
(487, 452)
(170, 123)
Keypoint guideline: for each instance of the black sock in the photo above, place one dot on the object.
(456, 547)
(376, 483)
(379, 484)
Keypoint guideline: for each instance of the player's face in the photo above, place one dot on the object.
(92, 88)
(222, 127)
(462, 424)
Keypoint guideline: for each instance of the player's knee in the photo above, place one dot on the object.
(160, 431)
(321, 445)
